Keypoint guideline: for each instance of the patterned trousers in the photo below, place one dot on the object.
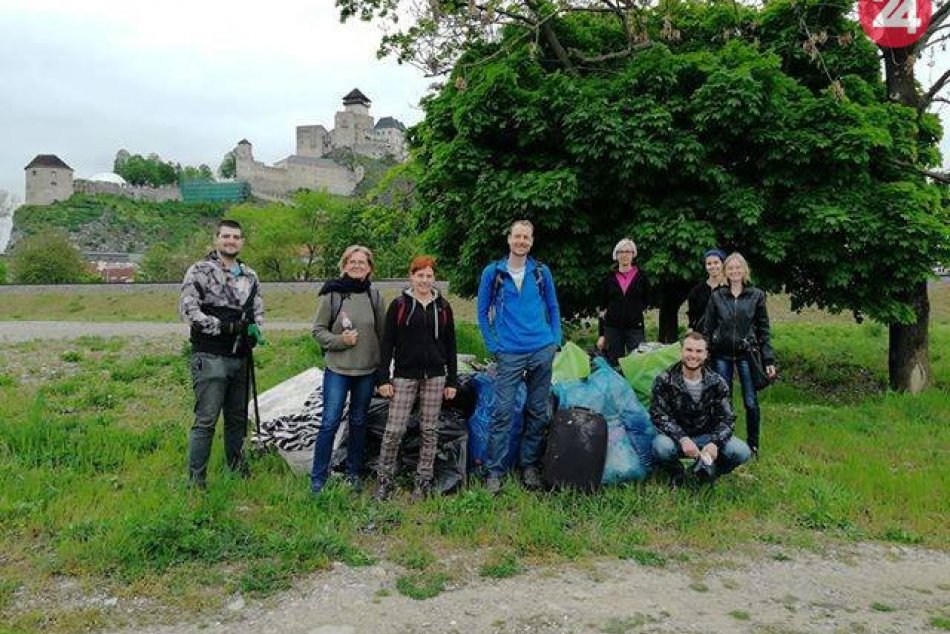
(430, 403)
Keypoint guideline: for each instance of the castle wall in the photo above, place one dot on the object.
(46, 185)
(161, 194)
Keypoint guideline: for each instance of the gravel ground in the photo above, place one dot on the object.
(855, 588)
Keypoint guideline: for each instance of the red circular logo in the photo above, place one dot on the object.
(895, 23)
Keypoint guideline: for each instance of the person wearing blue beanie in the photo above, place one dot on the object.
(698, 296)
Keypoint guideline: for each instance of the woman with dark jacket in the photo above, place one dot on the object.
(698, 296)
(420, 338)
(736, 319)
(624, 295)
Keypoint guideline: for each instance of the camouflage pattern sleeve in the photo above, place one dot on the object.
(189, 307)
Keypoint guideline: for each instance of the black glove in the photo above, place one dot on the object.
(233, 327)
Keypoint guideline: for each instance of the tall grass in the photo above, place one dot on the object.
(92, 452)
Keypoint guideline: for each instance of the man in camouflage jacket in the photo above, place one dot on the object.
(221, 300)
(691, 409)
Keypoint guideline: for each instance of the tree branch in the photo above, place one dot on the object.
(936, 23)
(627, 52)
(940, 177)
(927, 98)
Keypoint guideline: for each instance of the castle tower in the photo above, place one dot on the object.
(48, 179)
(312, 140)
(353, 124)
(243, 159)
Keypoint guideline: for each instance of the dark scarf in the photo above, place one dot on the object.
(345, 285)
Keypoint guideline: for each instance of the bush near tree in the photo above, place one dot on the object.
(48, 258)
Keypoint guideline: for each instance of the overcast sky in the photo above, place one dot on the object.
(83, 78)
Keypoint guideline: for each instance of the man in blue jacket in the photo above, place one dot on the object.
(520, 321)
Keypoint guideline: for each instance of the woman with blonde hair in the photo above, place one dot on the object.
(737, 321)
(624, 295)
(349, 327)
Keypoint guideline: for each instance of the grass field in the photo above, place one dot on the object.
(92, 447)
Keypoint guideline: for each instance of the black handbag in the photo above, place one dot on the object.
(760, 379)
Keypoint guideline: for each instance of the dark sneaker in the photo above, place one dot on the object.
(677, 475)
(493, 485)
(705, 470)
(383, 490)
(531, 478)
(421, 491)
(355, 483)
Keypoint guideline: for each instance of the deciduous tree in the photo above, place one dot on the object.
(684, 125)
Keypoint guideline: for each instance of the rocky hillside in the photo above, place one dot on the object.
(105, 223)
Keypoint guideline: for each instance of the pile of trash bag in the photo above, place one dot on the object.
(630, 431)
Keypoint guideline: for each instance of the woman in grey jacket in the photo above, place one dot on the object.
(735, 320)
(349, 326)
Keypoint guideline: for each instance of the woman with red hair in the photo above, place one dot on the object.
(420, 339)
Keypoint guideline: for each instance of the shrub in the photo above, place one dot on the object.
(47, 258)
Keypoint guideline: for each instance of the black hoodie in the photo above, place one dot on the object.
(422, 340)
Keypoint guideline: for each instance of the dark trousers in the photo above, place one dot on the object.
(621, 342)
(753, 417)
(220, 385)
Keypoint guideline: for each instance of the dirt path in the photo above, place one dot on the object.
(13, 331)
(853, 589)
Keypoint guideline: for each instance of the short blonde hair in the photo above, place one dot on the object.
(626, 242)
(353, 248)
(737, 257)
(525, 222)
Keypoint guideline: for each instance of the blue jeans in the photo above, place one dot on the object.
(668, 453)
(535, 369)
(335, 389)
(723, 368)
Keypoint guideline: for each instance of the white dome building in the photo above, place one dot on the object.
(108, 177)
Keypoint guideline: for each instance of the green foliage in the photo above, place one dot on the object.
(699, 140)
(47, 258)
(162, 263)
(113, 223)
(228, 167)
(3, 270)
(139, 170)
(305, 240)
(191, 173)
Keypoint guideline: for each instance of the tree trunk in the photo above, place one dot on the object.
(908, 353)
(908, 358)
(669, 302)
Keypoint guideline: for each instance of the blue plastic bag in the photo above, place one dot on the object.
(480, 422)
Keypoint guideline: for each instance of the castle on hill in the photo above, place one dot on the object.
(310, 167)
(49, 178)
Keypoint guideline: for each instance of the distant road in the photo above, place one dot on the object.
(301, 287)
(14, 331)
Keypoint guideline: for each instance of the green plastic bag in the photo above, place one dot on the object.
(570, 363)
(640, 369)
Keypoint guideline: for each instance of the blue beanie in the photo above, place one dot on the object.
(719, 253)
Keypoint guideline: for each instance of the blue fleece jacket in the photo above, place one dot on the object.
(524, 321)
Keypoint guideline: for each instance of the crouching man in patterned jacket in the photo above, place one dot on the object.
(221, 300)
(691, 409)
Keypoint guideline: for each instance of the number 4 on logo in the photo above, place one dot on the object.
(898, 14)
